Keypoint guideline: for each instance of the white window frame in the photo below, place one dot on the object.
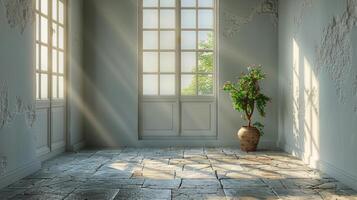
(178, 51)
(51, 47)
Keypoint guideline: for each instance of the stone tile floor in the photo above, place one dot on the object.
(176, 173)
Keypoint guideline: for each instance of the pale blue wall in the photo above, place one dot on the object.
(111, 71)
(318, 121)
(18, 139)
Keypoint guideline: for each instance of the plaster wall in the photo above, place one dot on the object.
(247, 35)
(18, 133)
(317, 84)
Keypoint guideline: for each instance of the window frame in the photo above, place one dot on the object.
(178, 52)
(51, 73)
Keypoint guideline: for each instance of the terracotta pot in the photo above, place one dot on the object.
(249, 138)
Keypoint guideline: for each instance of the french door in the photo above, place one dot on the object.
(177, 62)
(50, 53)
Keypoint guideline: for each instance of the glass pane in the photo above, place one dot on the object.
(44, 30)
(44, 86)
(54, 10)
(60, 37)
(188, 85)
(60, 62)
(205, 40)
(150, 3)
(61, 12)
(188, 61)
(188, 3)
(54, 87)
(37, 86)
(37, 56)
(205, 62)
(167, 84)
(167, 18)
(188, 39)
(60, 87)
(150, 84)
(54, 35)
(205, 84)
(167, 62)
(37, 27)
(44, 58)
(188, 18)
(150, 39)
(205, 3)
(167, 40)
(205, 19)
(44, 6)
(150, 62)
(150, 18)
(167, 3)
(54, 60)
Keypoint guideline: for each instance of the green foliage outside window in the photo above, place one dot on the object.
(204, 82)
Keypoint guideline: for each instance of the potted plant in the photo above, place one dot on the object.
(246, 96)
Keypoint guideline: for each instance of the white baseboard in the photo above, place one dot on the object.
(326, 167)
(19, 173)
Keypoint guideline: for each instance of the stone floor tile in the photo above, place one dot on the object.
(227, 167)
(38, 197)
(250, 194)
(144, 194)
(157, 174)
(162, 184)
(195, 174)
(200, 184)
(297, 194)
(113, 174)
(338, 194)
(112, 183)
(93, 194)
(194, 194)
(26, 183)
(8, 193)
(177, 173)
(242, 183)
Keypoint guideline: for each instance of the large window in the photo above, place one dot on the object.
(50, 49)
(178, 47)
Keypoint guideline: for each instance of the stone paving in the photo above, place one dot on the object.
(176, 173)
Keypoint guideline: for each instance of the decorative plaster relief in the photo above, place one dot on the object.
(7, 116)
(3, 164)
(234, 23)
(334, 54)
(19, 13)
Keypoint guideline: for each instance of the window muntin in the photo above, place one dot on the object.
(50, 49)
(178, 47)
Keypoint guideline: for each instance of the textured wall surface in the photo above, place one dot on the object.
(17, 139)
(317, 84)
(17, 87)
(248, 35)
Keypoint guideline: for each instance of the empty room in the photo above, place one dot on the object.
(178, 99)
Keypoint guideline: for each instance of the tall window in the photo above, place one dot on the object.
(50, 49)
(178, 47)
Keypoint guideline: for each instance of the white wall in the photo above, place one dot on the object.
(318, 84)
(111, 70)
(18, 138)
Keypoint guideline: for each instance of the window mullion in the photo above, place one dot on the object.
(178, 49)
(159, 49)
(196, 35)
